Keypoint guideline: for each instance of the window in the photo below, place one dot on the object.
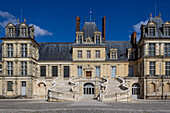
(9, 86)
(10, 68)
(113, 71)
(151, 31)
(167, 49)
(88, 54)
(167, 68)
(10, 30)
(79, 71)
(131, 71)
(23, 32)
(10, 50)
(130, 55)
(43, 71)
(98, 71)
(135, 89)
(167, 31)
(79, 38)
(97, 53)
(79, 53)
(97, 39)
(113, 55)
(152, 68)
(151, 49)
(54, 71)
(66, 71)
(23, 50)
(23, 68)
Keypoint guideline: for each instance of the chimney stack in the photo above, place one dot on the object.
(104, 28)
(77, 23)
(133, 39)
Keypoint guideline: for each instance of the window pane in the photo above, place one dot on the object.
(43, 71)
(54, 71)
(66, 71)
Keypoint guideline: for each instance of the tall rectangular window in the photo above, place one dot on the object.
(152, 31)
(167, 31)
(113, 71)
(79, 71)
(113, 54)
(167, 68)
(10, 68)
(152, 68)
(79, 38)
(10, 50)
(167, 49)
(79, 52)
(23, 32)
(131, 71)
(66, 71)
(23, 50)
(10, 30)
(43, 71)
(54, 71)
(9, 86)
(97, 39)
(151, 49)
(98, 71)
(88, 54)
(23, 68)
(97, 53)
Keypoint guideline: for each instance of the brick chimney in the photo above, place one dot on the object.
(104, 28)
(77, 23)
(133, 39)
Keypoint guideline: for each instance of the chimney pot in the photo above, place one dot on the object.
(77, 23)
(104, 28)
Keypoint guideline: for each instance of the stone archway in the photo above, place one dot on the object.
(42, 90)
(135, 91)
(89, 90)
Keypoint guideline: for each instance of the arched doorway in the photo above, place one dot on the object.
(89, 89)
(42, 90)
(135, 91)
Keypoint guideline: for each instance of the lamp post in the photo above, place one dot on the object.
(162, 87)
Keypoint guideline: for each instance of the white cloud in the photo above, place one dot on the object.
(7, 17)
(41, 32)
(138, 25)
(137, 29)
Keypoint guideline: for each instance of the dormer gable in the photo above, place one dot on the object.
(23, 30)
(10, 30)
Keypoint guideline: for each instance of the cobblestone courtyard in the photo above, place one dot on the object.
(84, 106)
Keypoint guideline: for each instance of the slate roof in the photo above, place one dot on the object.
(55, 51)
(88, 29)
(121, 47)
(159, 28)
(63, 51)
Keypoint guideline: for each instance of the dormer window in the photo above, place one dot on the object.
(79, 39)
(97, 39)
(10, 31)
(113, 53)
(167, 30)
(23, 32)
(151, 31)
(130, 53)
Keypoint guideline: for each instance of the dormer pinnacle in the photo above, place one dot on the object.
(18, 20)
(24, 20)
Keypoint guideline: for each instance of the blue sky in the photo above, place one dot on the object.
(54, 20)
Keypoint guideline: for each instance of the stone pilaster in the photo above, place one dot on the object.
(157, 49)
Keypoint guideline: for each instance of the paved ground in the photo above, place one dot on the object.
(84, 106)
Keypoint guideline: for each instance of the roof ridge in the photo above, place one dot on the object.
(56, 43)
(117, 41)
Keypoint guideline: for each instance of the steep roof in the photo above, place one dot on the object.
(55, 52)
(88, 29)
(121, 47)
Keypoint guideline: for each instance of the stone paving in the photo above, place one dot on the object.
(83, 106)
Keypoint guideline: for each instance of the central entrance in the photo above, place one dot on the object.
(88, 74)
(89, 89)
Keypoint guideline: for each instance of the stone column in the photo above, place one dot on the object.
(19, 50)
(14, 50)
(157, 49)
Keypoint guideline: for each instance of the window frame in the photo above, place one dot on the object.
(152, 49)
(9, 50)
(97, 53)
(54, 71)
(43, 71)
(152, 68)
(23, 68)
(23, 50)
(9, 86)
(79, 71)
(10, 68)
(167, 68)
(97, 71)
(88, 53)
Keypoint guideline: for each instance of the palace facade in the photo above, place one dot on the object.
(90, 67)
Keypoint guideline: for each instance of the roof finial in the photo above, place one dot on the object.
(90, 15)
(25, 20)
(85, 19)
(18, 20)
(159, 14)
(150, 14)
(94, 18)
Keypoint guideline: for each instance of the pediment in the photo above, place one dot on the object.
(152, 23)
(167, 22)
(10, 24)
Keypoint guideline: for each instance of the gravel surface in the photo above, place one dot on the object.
(83, 106)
